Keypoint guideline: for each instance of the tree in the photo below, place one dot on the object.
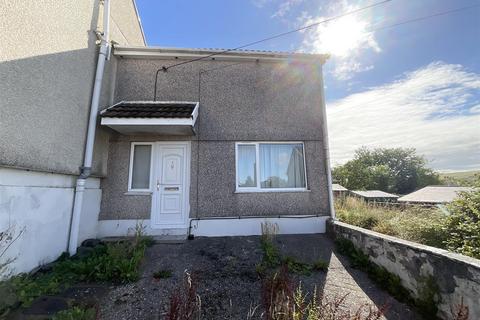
(395, 170)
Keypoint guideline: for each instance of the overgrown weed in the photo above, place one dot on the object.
(111, 262)
(185, 303)
(283, 300)
(413, 223)
(273, 259)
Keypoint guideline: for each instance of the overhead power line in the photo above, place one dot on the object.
(424, 18)
(165, 68)
(278, 35)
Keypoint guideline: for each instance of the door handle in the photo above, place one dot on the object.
(158, 185)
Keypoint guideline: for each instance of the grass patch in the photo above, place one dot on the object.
(162, 274)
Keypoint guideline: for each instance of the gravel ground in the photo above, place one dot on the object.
(228, 283)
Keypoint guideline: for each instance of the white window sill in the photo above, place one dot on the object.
(273, 190)
(138, 193)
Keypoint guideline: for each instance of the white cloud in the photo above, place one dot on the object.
(285, 7)
(432, 109)
(345, 70)
(346, 38)
(260, 3)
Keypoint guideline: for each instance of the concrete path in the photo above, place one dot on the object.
(228, 284)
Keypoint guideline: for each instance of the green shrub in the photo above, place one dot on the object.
(271, 255)
(320, 265)
(421, 225)
(115, 262)
(76, 313)
(463, 224)
(295, 266)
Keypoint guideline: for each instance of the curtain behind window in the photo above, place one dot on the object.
(282, 166)
(247, 176)
(141, 166)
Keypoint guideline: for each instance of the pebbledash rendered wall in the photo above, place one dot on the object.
(249, 101)
(47, 66)
(456, 276)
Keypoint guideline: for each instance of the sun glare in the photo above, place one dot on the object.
(342, 36)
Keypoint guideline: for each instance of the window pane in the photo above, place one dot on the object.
(141, 167)
(282, 166)
(246, 166)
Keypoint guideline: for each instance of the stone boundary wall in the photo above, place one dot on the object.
(455, 275)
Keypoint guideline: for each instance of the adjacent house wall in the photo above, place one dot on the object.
(48, 58)
(35, 209)
(47, 66)
(250, 101)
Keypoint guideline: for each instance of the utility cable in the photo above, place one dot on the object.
(165, 68)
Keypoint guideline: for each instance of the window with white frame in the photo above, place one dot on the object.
(270, 166)
(140, 166)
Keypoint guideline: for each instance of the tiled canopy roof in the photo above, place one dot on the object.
(149, 109)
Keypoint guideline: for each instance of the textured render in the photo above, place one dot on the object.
(47, 66)
(242, 102)
(457, 276)
(125, 25)
(250, 101)
(217, 195)
(115, 203)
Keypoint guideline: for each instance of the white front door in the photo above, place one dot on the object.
(170, 193)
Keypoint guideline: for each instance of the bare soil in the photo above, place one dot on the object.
(228, 284)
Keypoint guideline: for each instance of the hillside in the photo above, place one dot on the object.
(464, 178)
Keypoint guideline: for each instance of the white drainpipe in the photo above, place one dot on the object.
(92, 124)
(326, 148)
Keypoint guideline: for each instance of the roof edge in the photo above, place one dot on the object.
(191, 53)
(139, 22)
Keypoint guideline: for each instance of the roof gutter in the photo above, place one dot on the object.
(188, 54)
(326, 148)
(86, 169)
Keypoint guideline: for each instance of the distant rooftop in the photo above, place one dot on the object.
(434, 194)
(338, 187)
(373, 194)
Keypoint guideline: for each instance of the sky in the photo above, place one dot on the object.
(387, 84)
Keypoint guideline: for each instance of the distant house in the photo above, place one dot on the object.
(339, 191)
(374, 195)
(433, 195)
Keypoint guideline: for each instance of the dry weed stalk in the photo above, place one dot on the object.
(185, 303)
